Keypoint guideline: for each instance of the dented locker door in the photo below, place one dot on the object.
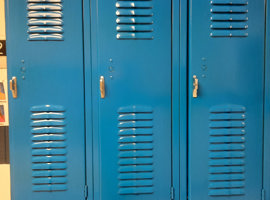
(132, 117)
(226, 119)
(45, 57)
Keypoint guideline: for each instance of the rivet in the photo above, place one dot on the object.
(204, 67)
(23, 69)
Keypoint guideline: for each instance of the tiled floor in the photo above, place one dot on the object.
(4, 182)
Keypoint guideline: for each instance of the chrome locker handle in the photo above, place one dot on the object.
(13, 87)
(102, 87)
(195, 86)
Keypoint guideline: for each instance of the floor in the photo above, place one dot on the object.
(4, 182)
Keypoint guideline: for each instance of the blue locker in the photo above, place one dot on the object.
(131, 45)
(138, 99)
(45, 66)
(226, 91)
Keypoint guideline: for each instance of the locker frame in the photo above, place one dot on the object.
(179, 98)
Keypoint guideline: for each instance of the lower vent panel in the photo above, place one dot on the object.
(227, 151)
(136, 165)
(49, 167)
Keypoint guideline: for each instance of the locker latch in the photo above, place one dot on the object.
(102, 87)
(13, 87)
(195, 86)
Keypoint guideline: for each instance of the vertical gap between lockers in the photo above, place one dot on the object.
(264, 89)
(84, 96)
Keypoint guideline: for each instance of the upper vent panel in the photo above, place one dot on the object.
(45, 20)
(134, 19)
(229, 18)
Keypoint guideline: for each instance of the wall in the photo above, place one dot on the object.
(3, 71)
(3, 60)
(4, 182)
(4, 168)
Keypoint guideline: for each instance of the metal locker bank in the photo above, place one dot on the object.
(139, 99)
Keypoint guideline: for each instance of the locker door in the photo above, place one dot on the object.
(132, 136)
(226, 119)
(45, 54)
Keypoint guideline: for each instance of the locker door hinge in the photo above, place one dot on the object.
(86, 191)
(263, 194)
(172, 193)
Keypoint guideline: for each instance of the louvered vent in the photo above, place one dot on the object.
(134, 19)
(45, 20)
(135, 150)
(227, 151)
(49, 168)
(229, 18)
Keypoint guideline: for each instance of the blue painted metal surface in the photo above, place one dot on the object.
(47, 118)
(89, 189)
(134, 141)
(132, 124)
(226, 120)
(266, 175)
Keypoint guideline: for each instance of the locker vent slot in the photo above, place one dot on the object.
(227, 151)
(229, 18)
(134, 20)
(49, 167)
(135, 150)
(45, 20)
